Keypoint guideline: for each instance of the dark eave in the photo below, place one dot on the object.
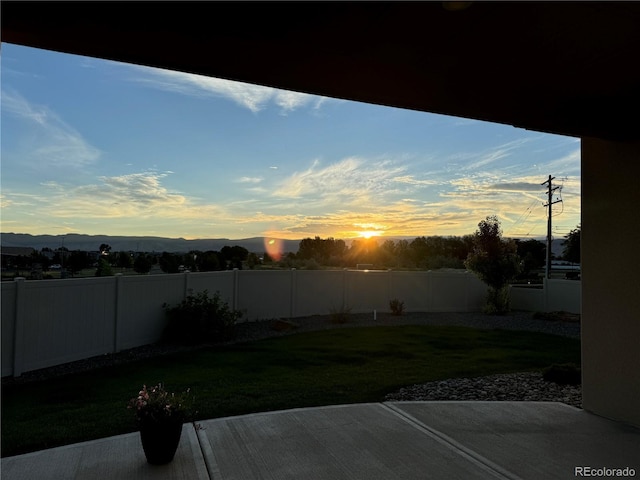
(562, 67)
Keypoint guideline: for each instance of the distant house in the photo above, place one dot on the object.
(16, 251)
(17, 258)
(9, 254)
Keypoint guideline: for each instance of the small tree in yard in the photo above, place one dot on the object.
(495, 261)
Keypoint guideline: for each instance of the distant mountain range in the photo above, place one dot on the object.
(77, 241)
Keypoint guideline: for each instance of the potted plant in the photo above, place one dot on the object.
(160, 415)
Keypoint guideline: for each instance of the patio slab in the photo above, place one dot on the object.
(530, 439)
(393, 440)
(365, 441)
(119, 457)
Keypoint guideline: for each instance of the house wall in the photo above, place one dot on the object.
(610, 284)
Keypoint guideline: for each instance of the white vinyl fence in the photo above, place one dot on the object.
(50, 322)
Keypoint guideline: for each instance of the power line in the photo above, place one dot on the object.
(549, 205)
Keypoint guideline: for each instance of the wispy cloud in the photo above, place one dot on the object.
(411, 180)
(138, 195)
(249, 180)
(492, 155)
(250, 96)
(515, 187)
(52, 142)
(350, 181)
(568, 164)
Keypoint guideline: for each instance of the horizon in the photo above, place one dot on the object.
(360, 237)
(92, 145)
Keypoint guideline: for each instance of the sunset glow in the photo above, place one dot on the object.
(101, 147)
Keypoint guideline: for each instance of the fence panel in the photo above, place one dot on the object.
(8, 325)
(412, 288)
(527, 298)
(449, 291)
(212, 282)
(476, 293)
(367, 291)
(564, 295)
(141, 318)
(317, 292)
(65, 320)
(264, 294)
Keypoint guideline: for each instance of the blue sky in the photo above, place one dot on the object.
(99, 147)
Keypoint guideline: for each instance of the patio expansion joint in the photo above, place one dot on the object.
(495, 470)
(207, 452)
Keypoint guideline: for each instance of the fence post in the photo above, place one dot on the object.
(18, 328)
(294, 290)
(344, 289)
(467, 291)
(236, 282)
(117, 312)
(545, 297)
(389, 297)
(186, 285)
(429, 291)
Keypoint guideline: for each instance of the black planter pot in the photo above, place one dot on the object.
(160, 441)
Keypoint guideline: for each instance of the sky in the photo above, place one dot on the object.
(100, 147)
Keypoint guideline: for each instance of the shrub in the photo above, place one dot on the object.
(340, 315)
(396, 306)
(563, 374)
(103, 269)
(498, 302)
(200, 319)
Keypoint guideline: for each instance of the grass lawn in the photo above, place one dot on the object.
(336, 366)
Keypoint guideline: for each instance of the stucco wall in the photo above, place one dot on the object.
(610, 279)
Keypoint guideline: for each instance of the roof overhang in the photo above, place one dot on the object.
(562, 67)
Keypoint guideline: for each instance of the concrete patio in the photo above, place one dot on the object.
(394, 440)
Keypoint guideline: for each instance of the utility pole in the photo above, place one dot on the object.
(549, 203)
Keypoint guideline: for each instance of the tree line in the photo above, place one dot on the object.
(104, 261)
(421, 253)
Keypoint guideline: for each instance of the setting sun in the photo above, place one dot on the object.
(369, 234)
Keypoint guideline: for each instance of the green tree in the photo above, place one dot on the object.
(123, 260)
(403, 253)
(104, 268)
(234, 256)
(42, 259)
(105, 253)
(533, 255)
(253, 260)
(210, 261)
(495, 261)
(142, 263)
(571, 245)
(170, 262)
(77, 261)
(363, 250)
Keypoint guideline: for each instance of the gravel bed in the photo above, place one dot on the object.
(506, 387)
(517, 386)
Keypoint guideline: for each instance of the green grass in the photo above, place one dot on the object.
(335, 366)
